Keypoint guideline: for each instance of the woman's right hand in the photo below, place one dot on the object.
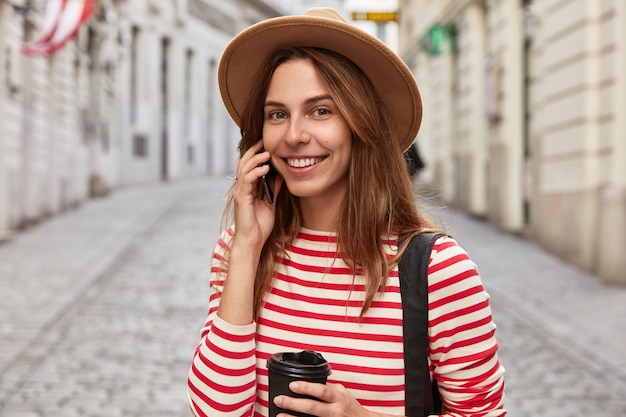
(254, 217)
(254, 220)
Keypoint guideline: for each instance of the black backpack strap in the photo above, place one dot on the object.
(421, 396)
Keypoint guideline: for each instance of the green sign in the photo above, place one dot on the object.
(439, 38)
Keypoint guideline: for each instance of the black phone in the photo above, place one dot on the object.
(267, 188)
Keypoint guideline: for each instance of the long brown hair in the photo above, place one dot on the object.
(379, 201)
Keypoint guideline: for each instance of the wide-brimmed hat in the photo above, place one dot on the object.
(322, 28)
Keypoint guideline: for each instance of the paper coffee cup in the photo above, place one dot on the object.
(284, 367)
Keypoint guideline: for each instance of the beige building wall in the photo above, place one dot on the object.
(43, 158)
(473, 161)
(506, 172)
(413, 17)
(524, 123)
(612, 229)
(579, 207)
(435, 82)
(10, 114)
(470, 140)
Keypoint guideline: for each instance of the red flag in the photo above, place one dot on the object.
(62, 20)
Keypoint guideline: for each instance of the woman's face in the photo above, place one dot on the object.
(310, 141)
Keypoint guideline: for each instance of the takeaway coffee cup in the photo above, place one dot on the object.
(284, 367)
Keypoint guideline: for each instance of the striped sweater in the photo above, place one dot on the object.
(313, 305)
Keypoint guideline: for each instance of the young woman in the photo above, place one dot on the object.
(326, 111)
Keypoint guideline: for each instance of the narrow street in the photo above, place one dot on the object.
(102, 307)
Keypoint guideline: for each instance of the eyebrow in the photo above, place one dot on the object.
(310, 100)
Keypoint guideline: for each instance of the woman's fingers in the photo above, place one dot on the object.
(331, 400)
(254, 218)
(253, 164)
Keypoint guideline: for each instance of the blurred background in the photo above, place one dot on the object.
(110, 115)
(524, 106)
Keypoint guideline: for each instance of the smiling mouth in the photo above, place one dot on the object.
(303, 162)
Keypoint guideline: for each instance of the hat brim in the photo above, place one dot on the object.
(393, 81)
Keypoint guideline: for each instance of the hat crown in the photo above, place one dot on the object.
(325, 12)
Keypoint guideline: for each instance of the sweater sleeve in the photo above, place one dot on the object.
(222, 378)
(462, 343)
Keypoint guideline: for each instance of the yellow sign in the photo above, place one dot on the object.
(379, 17)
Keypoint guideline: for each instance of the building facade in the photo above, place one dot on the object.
(524, 117)
(132, 98)
(43, 145)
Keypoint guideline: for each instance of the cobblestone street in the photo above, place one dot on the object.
(102, 308)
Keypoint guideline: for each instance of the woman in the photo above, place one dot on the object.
(315, 267)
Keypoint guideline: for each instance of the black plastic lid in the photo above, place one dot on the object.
(305, 364)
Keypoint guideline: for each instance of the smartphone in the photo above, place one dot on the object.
(268, 193)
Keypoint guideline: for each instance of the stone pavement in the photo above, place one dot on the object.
(102, 307)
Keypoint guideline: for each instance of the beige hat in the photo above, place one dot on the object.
(322, 28)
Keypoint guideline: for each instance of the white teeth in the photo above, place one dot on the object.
(305, 162)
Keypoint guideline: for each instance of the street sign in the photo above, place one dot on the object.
(379, 17)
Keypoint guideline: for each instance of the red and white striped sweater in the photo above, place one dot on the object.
(313, 305)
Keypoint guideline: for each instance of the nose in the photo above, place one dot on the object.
(297, 132)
